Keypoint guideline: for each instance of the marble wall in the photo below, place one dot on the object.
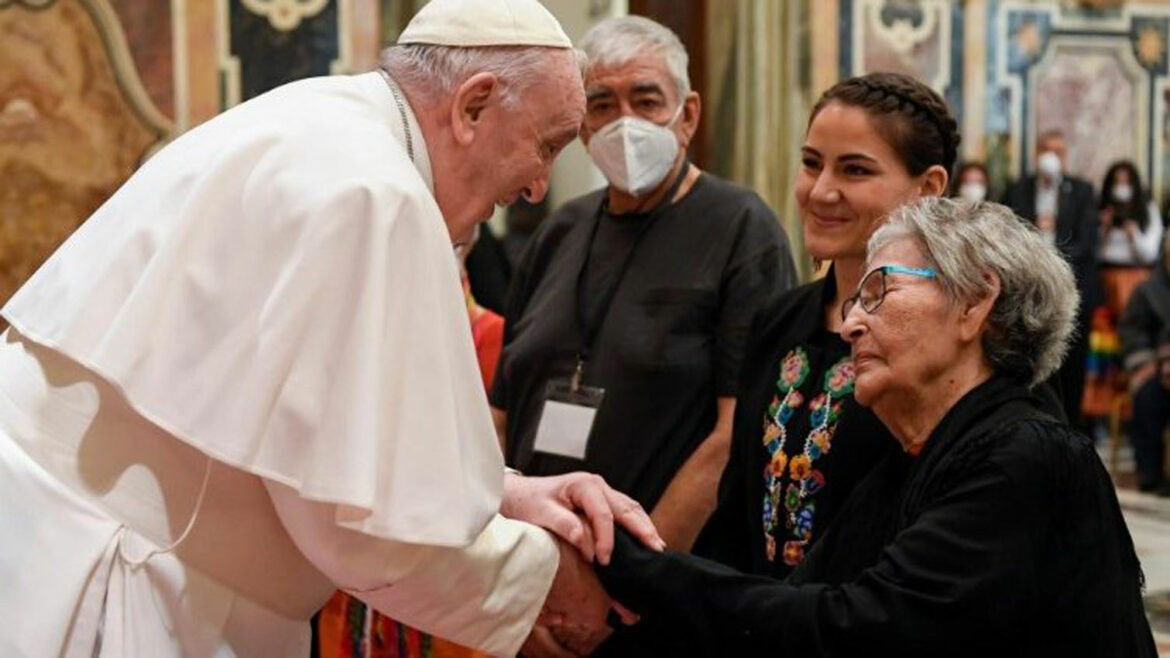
(90, 88)
(1011, 69)
(75, 121)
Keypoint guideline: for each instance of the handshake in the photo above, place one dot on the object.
(581, 509)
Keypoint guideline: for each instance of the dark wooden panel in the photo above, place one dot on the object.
(271, 55)
(688, 20)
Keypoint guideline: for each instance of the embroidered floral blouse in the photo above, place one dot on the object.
(801, 442)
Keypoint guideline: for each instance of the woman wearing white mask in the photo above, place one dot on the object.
(1131, 226)
(1131, 234)
(971, 182)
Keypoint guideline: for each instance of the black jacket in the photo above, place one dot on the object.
(1076, 230)
(1003, 537)
(1145, 326)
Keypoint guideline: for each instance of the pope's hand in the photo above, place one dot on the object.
(555, 502)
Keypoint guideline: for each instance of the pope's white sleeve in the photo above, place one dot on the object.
(485, 596)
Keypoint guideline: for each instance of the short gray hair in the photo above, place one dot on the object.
(617, 41)
(1033, 318)
(435, 71)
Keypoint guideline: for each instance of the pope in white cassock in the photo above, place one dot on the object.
(248, 378)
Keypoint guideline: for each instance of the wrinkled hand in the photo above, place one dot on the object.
(579, 641)
(542, 644)
(576, 598)
(554, 503)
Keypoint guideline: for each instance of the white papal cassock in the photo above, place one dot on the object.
(257, 348)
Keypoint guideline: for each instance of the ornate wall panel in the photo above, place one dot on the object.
(1098, 76)
(922, 38)
(75, 121)
(266, 43)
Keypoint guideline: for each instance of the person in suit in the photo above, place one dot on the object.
(1064, 208)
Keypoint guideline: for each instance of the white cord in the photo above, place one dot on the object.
(134, 564)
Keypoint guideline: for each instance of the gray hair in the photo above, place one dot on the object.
(433, 72)
(617, 41)
(1033, 319)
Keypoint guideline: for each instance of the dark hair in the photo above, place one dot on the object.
(1135, 208)
(910, 116)
(964, 167)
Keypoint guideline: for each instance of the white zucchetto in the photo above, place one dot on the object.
(476, 23)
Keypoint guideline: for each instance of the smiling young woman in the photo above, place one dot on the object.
(800, 440)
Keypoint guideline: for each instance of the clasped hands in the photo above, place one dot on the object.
(581, 509)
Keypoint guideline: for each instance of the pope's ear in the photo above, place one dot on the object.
(471, 98)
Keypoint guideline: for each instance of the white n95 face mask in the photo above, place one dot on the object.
(635, 154)
(973, 191)
(1049, 164)
(1122, 193)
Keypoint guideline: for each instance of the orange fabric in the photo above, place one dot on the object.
(1120, 282)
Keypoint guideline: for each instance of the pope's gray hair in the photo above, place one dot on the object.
(1033, 318)
(432, 72)
(616, 41)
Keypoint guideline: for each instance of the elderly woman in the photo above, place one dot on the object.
(995, 531)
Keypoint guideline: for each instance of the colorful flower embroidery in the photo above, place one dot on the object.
(796, 476)
(793, 370)
(804, 522)
(800, 467)
(779, 461)
(793, 553)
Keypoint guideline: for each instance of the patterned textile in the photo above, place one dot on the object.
(1105, 381)
(791, 479)
(347, 628)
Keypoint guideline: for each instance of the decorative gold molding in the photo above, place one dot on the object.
(285, 15)
(35, 4)
(229, 64)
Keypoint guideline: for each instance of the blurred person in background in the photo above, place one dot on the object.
(971, 182)
(1131, 236)
(1145, 341)
(1064, 209)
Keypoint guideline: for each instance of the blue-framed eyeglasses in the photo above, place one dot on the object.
(872, 291)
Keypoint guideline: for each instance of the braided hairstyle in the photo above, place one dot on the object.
(909, 116)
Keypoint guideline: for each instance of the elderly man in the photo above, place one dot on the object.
(1064, 208)
(248, 379)
(628, 313)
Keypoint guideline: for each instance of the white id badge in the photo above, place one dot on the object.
(567, 419)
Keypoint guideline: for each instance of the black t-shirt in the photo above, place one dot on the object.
(670, 343)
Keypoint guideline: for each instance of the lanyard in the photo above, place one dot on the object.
(589, 331)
